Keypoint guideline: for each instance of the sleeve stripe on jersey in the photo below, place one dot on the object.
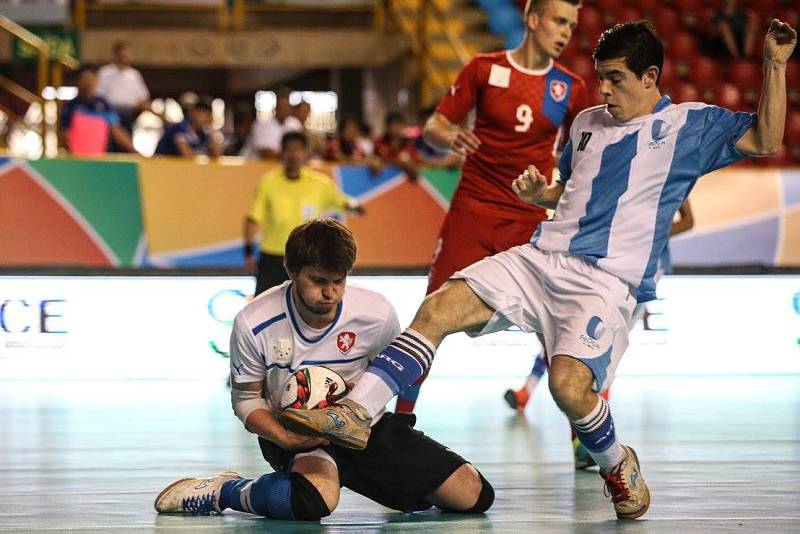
(268, 322)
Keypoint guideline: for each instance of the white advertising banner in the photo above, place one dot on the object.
(35, 12)
(178, 327)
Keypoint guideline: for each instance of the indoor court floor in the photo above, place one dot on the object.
(720, 454)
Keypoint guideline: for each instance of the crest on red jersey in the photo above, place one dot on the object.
(345, 341)
(558, 90)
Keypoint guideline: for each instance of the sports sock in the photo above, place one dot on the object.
(402, 363)
(538, 371)
(596, 432)
(268, 496)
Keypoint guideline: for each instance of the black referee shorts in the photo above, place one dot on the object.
(398, 468)
(271, 272)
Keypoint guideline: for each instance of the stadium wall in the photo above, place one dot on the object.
(166, 212)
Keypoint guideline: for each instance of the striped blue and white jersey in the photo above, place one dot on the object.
(270, 340)
(624, 182)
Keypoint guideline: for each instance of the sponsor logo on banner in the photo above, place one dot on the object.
(558, 90)
(33, 323)
(345, 341)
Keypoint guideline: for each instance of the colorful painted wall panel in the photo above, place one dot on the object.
(170, 212)
(70, 212)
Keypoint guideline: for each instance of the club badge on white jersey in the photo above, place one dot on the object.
(270, 341)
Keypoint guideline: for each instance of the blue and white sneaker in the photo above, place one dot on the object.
(198, 496)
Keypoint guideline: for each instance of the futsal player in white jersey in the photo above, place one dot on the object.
(316, 318)
(628, 166)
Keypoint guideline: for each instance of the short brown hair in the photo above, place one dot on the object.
(323, 243)
(533, 5)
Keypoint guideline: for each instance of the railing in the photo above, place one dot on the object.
(82, 7)
(45, 74)
(432, 72)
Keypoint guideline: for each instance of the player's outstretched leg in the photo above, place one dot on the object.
(518, 399)
(571, 384)
(279, 495)
(453, 308)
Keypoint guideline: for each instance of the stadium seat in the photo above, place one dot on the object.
(745, 74)
(768, 8)
(684, 6)
(503, 20)
(667, 74)
(793, 72)
(684, 92)
(793, 126)
(649, 7)
(681, 46)
(583, 66)
(705, 72)
(792, 16)
(728, 96)
(627, 14)
(667, 21)
(703, 21)
(590, 21)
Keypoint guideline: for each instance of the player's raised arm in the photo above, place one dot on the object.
(531, 187)
(442, 134)
(765, 136)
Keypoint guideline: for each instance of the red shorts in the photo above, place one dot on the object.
(469, 236)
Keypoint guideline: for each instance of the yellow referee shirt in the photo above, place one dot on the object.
(281, 205)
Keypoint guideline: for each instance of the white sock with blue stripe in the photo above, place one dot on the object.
(596, 433)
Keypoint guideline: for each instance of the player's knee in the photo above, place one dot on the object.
(483, 496)
(568, 388)
(308, 504)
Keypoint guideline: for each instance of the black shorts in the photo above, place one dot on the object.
(271, 272)
(398, 468)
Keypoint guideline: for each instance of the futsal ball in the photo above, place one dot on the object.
(312, 387)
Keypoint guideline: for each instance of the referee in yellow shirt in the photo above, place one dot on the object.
(286, 197)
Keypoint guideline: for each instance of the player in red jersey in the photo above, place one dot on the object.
(523, 101)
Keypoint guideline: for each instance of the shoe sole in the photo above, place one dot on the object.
(510, 399)
(165, 490)
(307, 427)
(646, 506)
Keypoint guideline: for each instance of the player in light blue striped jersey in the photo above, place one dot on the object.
(628, 166)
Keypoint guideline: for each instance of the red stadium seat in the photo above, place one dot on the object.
(649, 7)
(745, 74)
(684, 92)
(703, 22)
(583, 66)
(590, 20)
(767, 8)
(793, 72)
(705, 72)
(793, 126)
(667, 74)
(789, 15)
(667, 21)
(681, 45)
(627, 14)
(688, 5)
(728, 96)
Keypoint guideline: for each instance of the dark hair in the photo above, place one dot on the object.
(288, 137)
(202, 104)
(119, 45)
(535, 5)
(394, 116)
(636, 42)
(86, 67)
(323, 243)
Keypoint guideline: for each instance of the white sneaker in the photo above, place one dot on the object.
(194, 495)
(627, 487)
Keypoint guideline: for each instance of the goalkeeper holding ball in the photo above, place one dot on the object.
(307, 322)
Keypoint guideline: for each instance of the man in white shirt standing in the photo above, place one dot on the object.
(123, 86)
(267, 135)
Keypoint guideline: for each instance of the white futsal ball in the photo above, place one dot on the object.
(312, 387)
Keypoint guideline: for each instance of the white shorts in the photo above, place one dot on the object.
(582, 310)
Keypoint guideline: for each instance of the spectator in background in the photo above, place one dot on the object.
(350, 145)
(88, 121)
(240, 142)
(267, 135)
(732, 32)
(394, 148)
(316, 142)
(192, 136)
(123, 87)
(286, 197)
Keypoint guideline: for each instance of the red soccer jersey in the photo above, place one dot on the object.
(519, 113)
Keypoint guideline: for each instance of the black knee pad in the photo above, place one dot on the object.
(485, 499)
(307, 503)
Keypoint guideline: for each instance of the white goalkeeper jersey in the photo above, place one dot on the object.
(270, 341)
